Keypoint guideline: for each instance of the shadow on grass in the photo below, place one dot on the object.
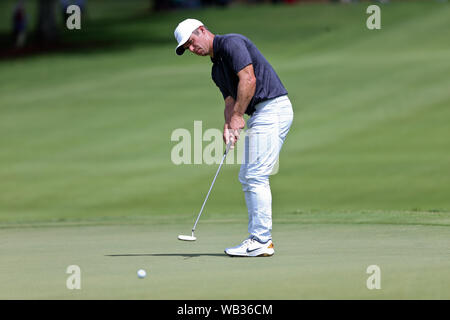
(185, 255)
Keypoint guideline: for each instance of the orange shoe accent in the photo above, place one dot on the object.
(270, 246)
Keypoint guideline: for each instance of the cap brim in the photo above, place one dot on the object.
(180, 50)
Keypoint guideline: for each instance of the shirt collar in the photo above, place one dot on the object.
(215, 49)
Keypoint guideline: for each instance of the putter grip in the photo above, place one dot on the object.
(229, 145)
(227, 148)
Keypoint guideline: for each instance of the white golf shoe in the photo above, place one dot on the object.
(251, 247)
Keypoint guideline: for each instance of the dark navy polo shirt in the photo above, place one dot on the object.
(233, 52)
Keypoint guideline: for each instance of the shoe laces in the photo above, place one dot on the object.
(247, 241)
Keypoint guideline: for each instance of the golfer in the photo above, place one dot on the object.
(249, 85)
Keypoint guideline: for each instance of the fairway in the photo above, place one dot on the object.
(87, 177)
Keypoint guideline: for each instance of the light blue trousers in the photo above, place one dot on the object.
(266, 131)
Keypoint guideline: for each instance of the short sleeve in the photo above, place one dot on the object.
(215, 76)
(224, 92)
(236, 53)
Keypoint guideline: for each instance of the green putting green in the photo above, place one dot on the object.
(86, 176)
(311, 261)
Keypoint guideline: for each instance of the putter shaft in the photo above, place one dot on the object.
(212, 184)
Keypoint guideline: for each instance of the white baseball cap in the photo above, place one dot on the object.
(184, 31)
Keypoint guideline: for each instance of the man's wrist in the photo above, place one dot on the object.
(237, 109)
(238, 113)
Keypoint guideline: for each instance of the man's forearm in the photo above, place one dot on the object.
(245, 93)
(228, 111)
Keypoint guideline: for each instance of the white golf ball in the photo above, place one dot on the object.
(141, 273)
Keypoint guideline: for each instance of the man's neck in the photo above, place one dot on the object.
(211, 48)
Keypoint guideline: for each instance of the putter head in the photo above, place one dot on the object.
(186, 238)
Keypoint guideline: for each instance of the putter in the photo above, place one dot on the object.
(192, 237)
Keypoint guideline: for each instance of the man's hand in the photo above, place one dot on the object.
(226, 134)
(237, 123)
(230, 134)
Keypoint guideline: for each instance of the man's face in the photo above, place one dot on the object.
(198, 43)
